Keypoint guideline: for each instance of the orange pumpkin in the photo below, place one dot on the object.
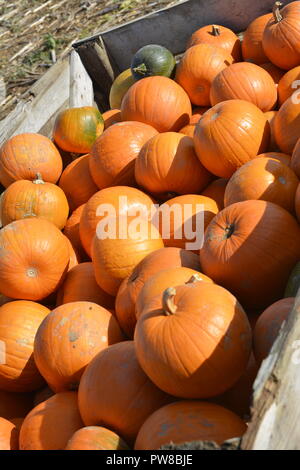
(13, 405)
(217, 36)
(288, 85)
(188, 130)
(271, 115)
(96, 438)
(286, 125)
(24, 199)
(159, 102)
(197, 113)
(230, 134)
(280, 157)
(71, 231)
(275, 72)
(114, 258)
(204, 365)
(187, 420)
(215, 191)
(19, 322)
(281, 36)
(125, 399)
(74, 256)
(132, 285)
(268, 325)
(110, 117)
(119, 88)
(244, 81)
(197, 69)
(76, 129)
(114, 154)
(34, 260)
(8, 435)
(80, 285)
(122, 198)
(77, 183)
(69, 338)
(167, 164)
(24, 155)
(252, 48)
(51, 424)
(295, 160)
(250, 248)
(266, 179)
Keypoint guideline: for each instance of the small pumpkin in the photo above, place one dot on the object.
(293, 283)
(215, 190)
(8, 435)
(76, 129)
(110, 117)
(24, 155)
(288, 85)
(71, 231)
(96, 438)
(119, 88)
(152, 59)
(252, 47)
(286, 125)
(272, 147)
(217, 36)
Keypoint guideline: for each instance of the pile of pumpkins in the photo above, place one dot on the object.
(133, 342)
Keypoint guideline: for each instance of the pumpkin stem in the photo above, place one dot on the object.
(194, 278)
(38, 179)
(142, 69)
(168, 301)
(229, 231)
(276, 12)
(215, 30)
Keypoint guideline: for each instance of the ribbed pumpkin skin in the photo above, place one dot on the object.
(80, 285)
(286, 126)
(110, 117)
(265, 179)
(76, 129)
(272, 147)
(96, 438)
(285, 89)
(69, 338)
(51, 424)
(204, 365)
(151, 60)
(268, 325)
(280, 157)
(281, 39)
(215, 191)
(189, 210)
(159, 102)
(77, 183)
(132, 285)
(24, 199)
(223, 37)
(244, 251)
(244, 81)
(24, 155)
(114, 154)
(275, 72)
(13, 405)
(252, 48)
(185, 421)
(123, 198)
(19, 322)
(119, 88)
(197, 69)
(35, 257)
(167, 163)
(71, 231)
(115, 258)
(8, 435)
(230, 134)
(160, 281)
(125, 399)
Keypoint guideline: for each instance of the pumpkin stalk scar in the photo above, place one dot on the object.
(38, 179)
(142, 69)
(228, 231)
(276, 12)
(169, 307)
(194, 278)
(215, 30)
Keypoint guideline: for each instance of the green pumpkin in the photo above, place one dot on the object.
(152, 60)
(293, 282)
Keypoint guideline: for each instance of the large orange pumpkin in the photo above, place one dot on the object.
(76, 129)
(197, 69)
(34, 258)
(159, 102)
(167, 164)
(19, 322)
(132, 285)
(110, 117)
(51, 424)
(24, 155)
(217, 36)
(69, 338)
(252, 48)
(8, 435)
(230, 134)
(204, 365)
(266, 179)
(71, 231)
(185, 421)
(250, 248)
(13, 405)
(77, 183)
(119, 88)
(271, 115)
(244, 81)
(115, 257)
(125, 398)
(288, 85)
(96, 438)
(122, 198)
(268, 325)
(24, 199)
(114, 154)
(281, 36)
(215, 191)
(286, 125)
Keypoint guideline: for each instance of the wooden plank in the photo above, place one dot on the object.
(276, 410)
(81, 86)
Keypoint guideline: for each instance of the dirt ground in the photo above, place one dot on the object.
(34, 33)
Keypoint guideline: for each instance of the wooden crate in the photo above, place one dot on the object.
(85, 75)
